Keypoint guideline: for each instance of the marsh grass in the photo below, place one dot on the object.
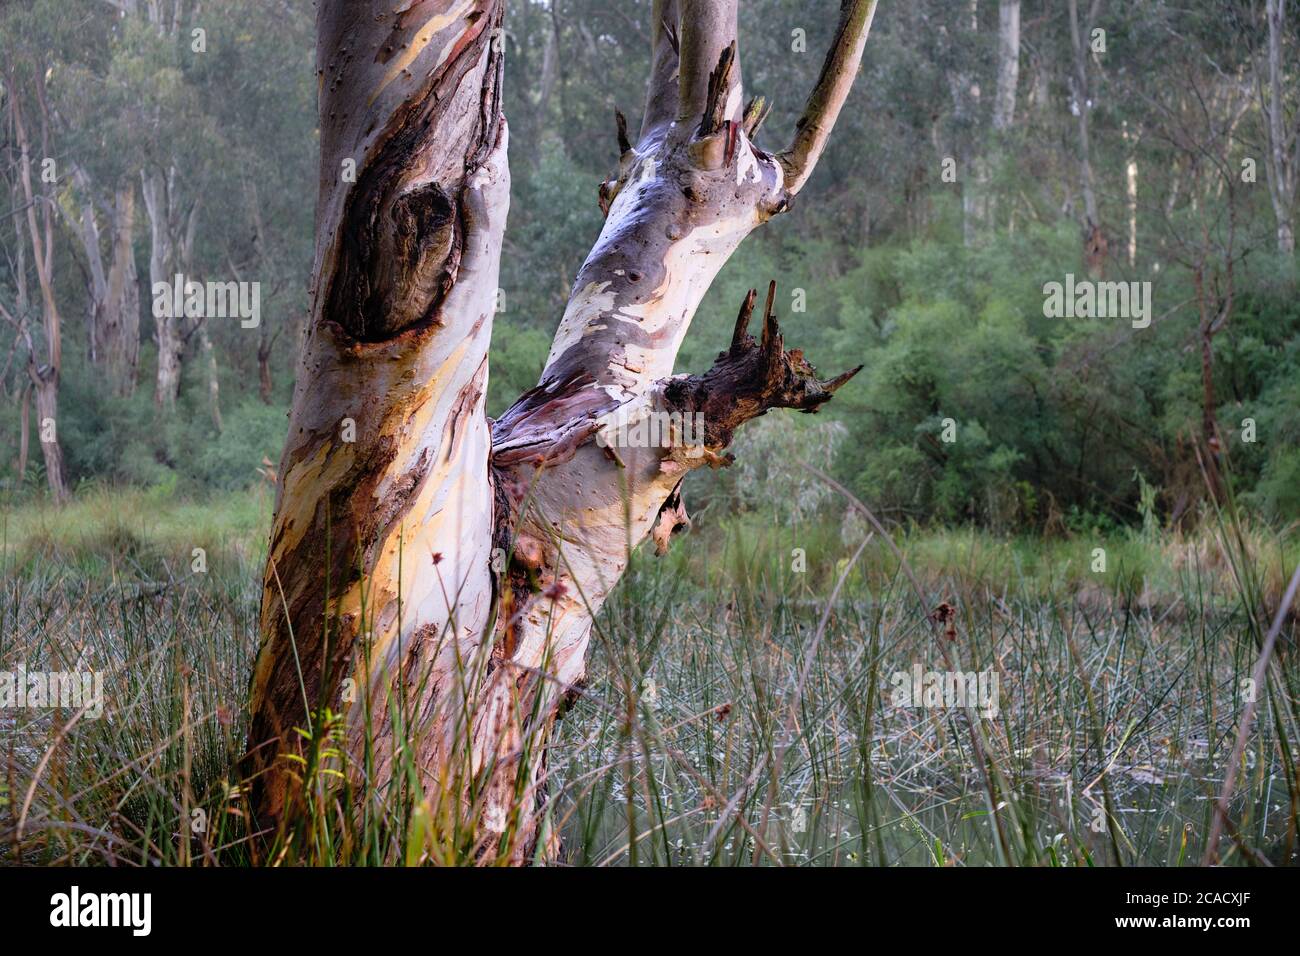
(730, 718)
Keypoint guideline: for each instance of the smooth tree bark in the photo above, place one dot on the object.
(432, 577)
(113, 292)
(1283, 155)
(266, 336)
(1094, 238)
(173, 219)
(1131, 193)
(1004, 97)
(964, 88)
(214, 380)
(39, 215)
(173, 224)
(24, 432)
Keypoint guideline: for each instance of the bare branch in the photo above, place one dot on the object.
(828, 96)
(751, 378)
(661, 93)
(708, 28)
(755, 113)
(742, 322)
(715, 100)
(621, 122)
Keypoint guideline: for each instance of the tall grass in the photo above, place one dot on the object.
(734, 715)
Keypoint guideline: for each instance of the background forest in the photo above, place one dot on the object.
(989, 148)
(966, 174)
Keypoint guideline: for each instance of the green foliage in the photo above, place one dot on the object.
(517, 357)
(1048, 418)
(1051, 417)
(253, 432)
(697, 675)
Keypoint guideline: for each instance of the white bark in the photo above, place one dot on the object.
(1283, 156)
(113, 317)
(1094, 237)
(391, 537)
(39, 215)
(1004, 104)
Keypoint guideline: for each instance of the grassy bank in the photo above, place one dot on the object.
(735, 713)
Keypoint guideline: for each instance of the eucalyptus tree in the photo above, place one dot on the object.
(174, 142)
(434, 575)
(32, 167)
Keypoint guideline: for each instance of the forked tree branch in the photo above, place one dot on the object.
(828, 96)
(390, 536)
(750, 378)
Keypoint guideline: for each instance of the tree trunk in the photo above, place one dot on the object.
(1004, 97)
(265, 384)
(265, 337)
(1131, 193)
(972, 166)
(24, 431)
(171, 346)
(171, 242)
(448, 570)
(40, 232)
(1004, 104)
(113, 292)
(117, 324)
(1283, 143)
(1209, 418)
(161, 276)
(214, 381)
(1094, 239)
(45, 382)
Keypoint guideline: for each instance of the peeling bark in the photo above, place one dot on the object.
(381, 562)
(379, 556)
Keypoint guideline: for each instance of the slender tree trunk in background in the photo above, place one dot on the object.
(1131, 194)
(972, 165)
(1282, 159)
(1094, 238)
(1004, 97)
(265, 337)
(24, 432)
(118, 326)
(44, 376)
(46, 386)
(265, 384)
(1209, 419)
(1215, 309)
(1004, 104)
(161, 257)
(549, 77)
(21, 299)
(214, 381)
(114, 293)
(171, 243)
(453, 572)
